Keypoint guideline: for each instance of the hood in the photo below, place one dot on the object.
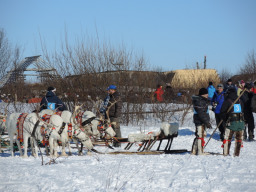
(232, 95)
(50, 94)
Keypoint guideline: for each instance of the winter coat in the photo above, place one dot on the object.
(253, 103)
(247, 100)
(52, 98)
(159, 94)
(211, 89)
(240, 90)
(201, 112)
(218, 98)
(227, 87)
(115, 110)
(229, 100)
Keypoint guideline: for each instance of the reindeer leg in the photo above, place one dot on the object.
(81, 150)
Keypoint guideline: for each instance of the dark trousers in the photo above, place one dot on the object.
(116, 126)
(249, 119)
(221, 127)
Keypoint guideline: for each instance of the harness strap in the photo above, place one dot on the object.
(34, 129)
(70, 131)
(88, 121)
(62, 128)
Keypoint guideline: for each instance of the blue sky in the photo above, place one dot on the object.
(171, 34)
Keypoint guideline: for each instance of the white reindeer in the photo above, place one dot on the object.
(28, 127)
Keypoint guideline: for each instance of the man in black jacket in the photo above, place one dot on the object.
(233, 120)
(201, 120)
(51, 101)
(248, 115)
(114, 111)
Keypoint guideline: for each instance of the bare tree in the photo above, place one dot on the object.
(225, 74)
(249, 68)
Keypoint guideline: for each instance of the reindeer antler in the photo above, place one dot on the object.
(107, 111)
(77, 107)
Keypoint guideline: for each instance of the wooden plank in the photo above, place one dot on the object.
(135, 153)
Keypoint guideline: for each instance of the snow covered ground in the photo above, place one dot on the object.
(165, 172)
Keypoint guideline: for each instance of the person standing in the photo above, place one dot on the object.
(229, 85)
(114, 110)
(211, 89)
(201, 120)
(51, 101)
(159, 93)
(217, 101)
(248, 115)
(240, 88)
(234, 122)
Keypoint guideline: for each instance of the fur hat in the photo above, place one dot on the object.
(51, 89)
(203, 91)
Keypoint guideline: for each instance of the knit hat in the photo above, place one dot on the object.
(229, 80)
(210, 83)
(220, 85)
(203, 91)
(51, 89)
(111, 87)
(241, 82)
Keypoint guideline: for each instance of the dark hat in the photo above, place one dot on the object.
(111, 87)
(51, 89)
(203, 91)
(248, 86)
(229, 80)
(210, 83)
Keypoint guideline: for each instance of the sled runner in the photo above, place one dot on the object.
(145, 142)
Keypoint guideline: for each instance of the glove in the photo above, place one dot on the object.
(208, 125)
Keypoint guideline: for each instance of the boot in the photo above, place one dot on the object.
(200, 150)
(237, 147)
(245, 134)
(226, 148)
(194, 148)
(222, 137)
(251, 136)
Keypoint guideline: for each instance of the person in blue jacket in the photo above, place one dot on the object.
(211, 90)
(51, 101)
(217, 101)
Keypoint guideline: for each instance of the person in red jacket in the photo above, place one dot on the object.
(159, 93)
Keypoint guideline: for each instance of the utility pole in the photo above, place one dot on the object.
(204, 62)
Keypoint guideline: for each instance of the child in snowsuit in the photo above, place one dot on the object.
(234, 122)
(201, 120)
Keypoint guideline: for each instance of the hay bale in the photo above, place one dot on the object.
(192, 78)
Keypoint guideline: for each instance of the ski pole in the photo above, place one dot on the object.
(222, 119)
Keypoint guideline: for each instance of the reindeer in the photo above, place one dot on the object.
(76, 132)
(30, 130)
